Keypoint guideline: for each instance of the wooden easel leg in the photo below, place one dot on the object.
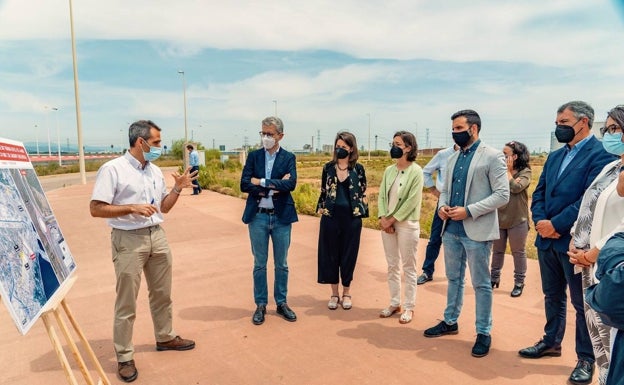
(73, 347)
(58, 349)
(85, 344)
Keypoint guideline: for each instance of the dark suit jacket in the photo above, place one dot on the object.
(559, 199)
(283, 202)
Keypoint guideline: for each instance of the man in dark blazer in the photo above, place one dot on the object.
(555, 205)
(268, 178)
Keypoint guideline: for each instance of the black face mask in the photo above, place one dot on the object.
(564, 133)
(341, 153)
(461, 138)
(396, 152)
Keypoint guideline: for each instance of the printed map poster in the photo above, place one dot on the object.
(34, 258)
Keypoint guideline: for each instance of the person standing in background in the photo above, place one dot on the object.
(342, 205)
(513, 218)
(194, 163)
(400, 197)
(437, 164)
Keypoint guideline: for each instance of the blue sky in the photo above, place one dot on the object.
(408, 64)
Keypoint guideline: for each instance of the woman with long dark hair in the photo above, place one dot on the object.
(513, 218)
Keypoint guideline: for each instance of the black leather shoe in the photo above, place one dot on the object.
(441, 329)
(423, 278)
(258, 316)
(540, 349)
(517, 290)
(583, 373)
(481, 347)
(286, 312)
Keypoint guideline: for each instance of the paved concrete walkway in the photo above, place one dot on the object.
(213, 304)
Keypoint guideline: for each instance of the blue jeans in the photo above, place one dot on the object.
(433, 246)
(460, 250)
(557, 272)
(260, 229)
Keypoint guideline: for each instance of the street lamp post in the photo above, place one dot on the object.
(369, 137)
(58, 136)
(37, 138)
(185, 119)
(275, 102)
(48, 128)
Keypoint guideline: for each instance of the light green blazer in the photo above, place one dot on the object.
(410, 193)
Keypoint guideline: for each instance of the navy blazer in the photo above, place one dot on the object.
(285, 163)
(558, 198)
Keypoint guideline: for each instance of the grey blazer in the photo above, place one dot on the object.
(487, 189)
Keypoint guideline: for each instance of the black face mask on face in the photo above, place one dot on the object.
(461, 138)
(565, 133)
(396, 152)
(341, 153)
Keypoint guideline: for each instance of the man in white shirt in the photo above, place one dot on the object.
(437, 164)
(130, 192)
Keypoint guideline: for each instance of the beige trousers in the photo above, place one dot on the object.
(400, 248)
(136, 251)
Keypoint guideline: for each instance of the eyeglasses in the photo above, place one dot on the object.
(268, 134)
(612, 129)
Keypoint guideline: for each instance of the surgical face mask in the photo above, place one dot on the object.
(461, 138)
(341, 153)
(268, 142)
(396, 152)
(613, 143)
(565, 133)
(153, 154)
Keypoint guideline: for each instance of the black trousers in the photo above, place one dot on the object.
(339, 243)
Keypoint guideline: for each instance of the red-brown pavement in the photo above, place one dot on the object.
(213, 304)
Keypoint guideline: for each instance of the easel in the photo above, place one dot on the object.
(55, 312)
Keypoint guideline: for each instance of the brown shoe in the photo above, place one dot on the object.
(127, 371)
(177, 343)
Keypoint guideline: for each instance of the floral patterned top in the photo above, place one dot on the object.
(357, 190)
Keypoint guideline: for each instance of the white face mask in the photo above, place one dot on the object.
(268, 142)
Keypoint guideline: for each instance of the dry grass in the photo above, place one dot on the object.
(309, 169)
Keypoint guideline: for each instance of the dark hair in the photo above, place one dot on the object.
(522, 152)
(617, 114)
(141, 129)
(471, 117)
(409, 140)
(580, 110)
(350, 140)
(189, 147)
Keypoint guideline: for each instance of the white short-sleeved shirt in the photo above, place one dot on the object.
(124, 181)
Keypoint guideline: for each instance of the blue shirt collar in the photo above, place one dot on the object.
(580, 144)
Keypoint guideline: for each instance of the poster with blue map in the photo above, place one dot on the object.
(35, 260)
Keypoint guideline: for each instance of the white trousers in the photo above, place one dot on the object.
(400, 248)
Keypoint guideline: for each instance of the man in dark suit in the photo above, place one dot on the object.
(268, 178)
(555, 205)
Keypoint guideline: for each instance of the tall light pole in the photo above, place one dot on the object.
(81, 159)
(369, 136)
(185, 119)
(37, 138)
(123, 141)
(58, 136)
(48, 128)
(275, 102)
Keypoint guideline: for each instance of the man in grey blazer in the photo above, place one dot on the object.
(476, 185)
